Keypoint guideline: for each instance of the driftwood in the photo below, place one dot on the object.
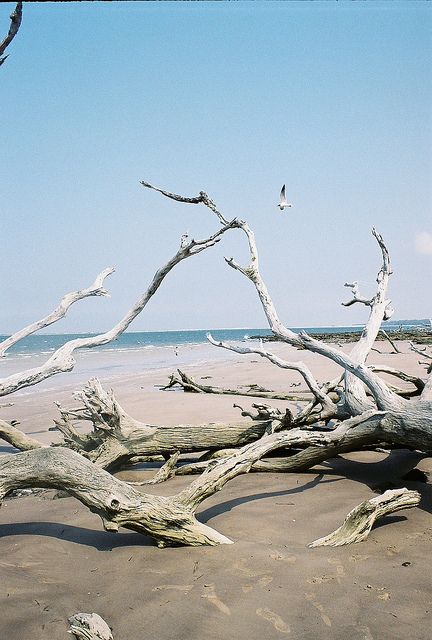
(368, 413)
(62, 360)
(359, 522)
(117, 438)
(89, 626)
(188, 384)
(95, 289)
(16, 18)
(171, 520)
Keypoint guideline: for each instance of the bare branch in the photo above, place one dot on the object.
(359, 522)
(392, 342)
(189, 384)
(201, 198)
(17, 438)
(380, 309)
(16, 18)
(95, 289)
(62, 360)
(356, 295)
(304, 371)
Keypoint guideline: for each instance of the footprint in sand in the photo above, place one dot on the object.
(275, 619)
(358, 558)
(210, 594)
(366, 633)
(175, 587)
(280, 556)
(324, 617)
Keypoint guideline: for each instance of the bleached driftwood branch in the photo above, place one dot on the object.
(16, 18)
(170, 520)
(89, 626)
(392, 342)
(355, 395)
(357, 297)
(406, 377)
(62, 360)
(17, 438)
(189, 384)
(95, 289)
(359, 522)
(328, 405)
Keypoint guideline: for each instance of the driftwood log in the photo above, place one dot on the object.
(367, 412)
(359, 522)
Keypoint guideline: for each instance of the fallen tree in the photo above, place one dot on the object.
(171, 520)
(358, 409)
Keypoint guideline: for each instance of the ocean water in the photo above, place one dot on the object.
(132, 341)
(137, 353)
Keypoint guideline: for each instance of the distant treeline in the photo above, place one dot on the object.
(421, 335)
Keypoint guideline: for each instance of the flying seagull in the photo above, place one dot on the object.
(283, 204)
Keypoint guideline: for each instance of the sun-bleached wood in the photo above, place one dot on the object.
(63, 360)
(359, 522)
(189, 384)
(18, 438)
(89, 626)
(95, 289)
(117, 438)
(328, 406)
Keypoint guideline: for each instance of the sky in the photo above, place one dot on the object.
(333, 99)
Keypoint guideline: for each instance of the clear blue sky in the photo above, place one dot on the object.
(234, 98)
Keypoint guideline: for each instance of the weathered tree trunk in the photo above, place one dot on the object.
(117, 438)
(171, 520)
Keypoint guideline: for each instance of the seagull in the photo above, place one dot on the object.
(283, 204)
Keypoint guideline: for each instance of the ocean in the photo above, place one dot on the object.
(139, 353)
(132, 341)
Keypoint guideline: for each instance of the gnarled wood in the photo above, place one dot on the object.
(89, 626)
(359, 522)
(117, 438)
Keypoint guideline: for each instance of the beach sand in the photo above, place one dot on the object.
(56, 560)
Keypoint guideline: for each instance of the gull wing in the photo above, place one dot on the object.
(283, 199)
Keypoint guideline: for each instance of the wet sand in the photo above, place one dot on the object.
(56, 559)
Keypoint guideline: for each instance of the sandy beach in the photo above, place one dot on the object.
(56, 559)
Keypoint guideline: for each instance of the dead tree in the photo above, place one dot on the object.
(368, 413)
(359, 380)
(171, 520)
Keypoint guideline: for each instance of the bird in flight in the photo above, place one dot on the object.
(283, 203)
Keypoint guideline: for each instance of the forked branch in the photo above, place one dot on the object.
(62, 360)
(95, 289)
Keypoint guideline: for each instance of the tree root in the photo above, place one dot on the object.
(359, 522)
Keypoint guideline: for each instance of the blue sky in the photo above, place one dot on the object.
(234, 98)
